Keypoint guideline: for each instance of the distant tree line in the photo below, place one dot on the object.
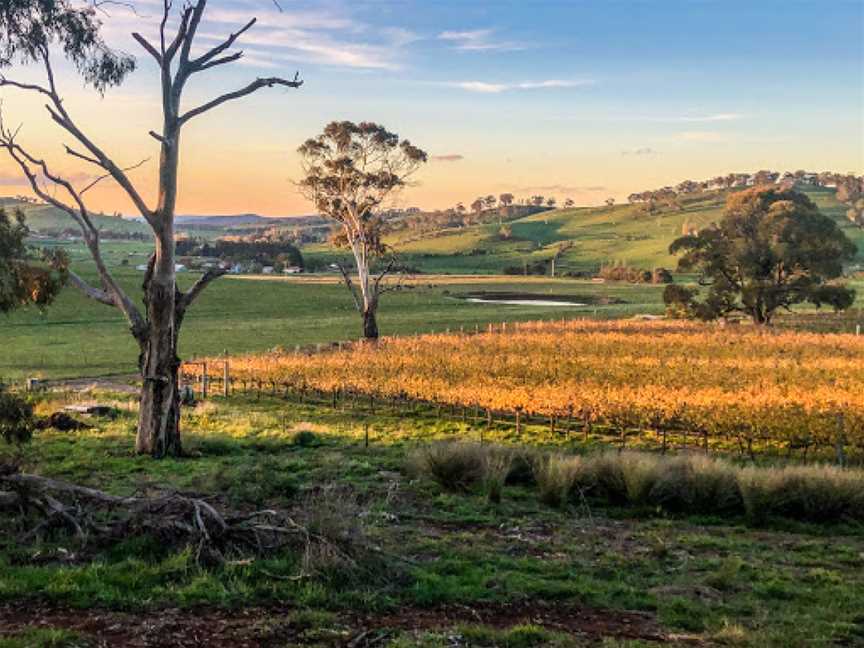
(264, 252)
(850, 188)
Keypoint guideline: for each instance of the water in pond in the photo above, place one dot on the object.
(523, 302)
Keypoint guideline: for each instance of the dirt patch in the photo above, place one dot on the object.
(273, 626)
(559, 617)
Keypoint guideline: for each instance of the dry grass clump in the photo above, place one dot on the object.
(336, 534)
(459, 466)
(454, 465)
(496, 468)
(689, 483)
(813, 493)
(557, 476)
(696, 484)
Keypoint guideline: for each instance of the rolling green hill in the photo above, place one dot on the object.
(44, 217)
(624, 233)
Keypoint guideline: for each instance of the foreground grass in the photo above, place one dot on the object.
(715, 579)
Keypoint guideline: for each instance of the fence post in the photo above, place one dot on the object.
(226, 377)
(204, 381)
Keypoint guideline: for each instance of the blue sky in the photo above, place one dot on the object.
(577, 99)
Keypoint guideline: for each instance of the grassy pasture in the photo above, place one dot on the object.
(516, 573)
(77, 337)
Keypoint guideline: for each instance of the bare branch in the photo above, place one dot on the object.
(220, 61)
(148, 47)
(237, 94)
(93, 293)
(391, 264)
(187, 298)
(350, 285)
(24, 86)
(108, 175)
(201, 62)
(81, 216)
(81, 156)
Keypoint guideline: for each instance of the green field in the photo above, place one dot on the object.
(76, 337)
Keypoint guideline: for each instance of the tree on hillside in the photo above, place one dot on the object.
(349, 171)
(506, 199)
(536, 201)
(772, 249)
(30, 30)
(490, 201)
(569, 203)
(551, 201)
(477, 206)
(23, 280)
(610, 202)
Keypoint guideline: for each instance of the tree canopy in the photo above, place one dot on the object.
(28, 28)
(772, 249)
(22, 281)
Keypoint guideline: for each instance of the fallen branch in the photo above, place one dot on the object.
(97, 518)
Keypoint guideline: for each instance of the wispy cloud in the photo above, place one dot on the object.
(12, 179)
(478, 40)
(330, 36)
(670, 119)
(717, 117)
(644, 151)
(495, 88)
(449, 157)
(701, 136)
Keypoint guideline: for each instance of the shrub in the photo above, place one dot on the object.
(306, 439)
(336, 547)
(16, 417)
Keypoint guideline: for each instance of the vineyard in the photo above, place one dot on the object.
(730, 388)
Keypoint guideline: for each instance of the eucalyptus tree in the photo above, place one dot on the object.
(35, 32)
(772, 249)
(350, 170)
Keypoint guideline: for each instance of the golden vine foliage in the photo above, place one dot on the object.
(797, 388)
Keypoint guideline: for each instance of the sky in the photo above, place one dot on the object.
(577, 99)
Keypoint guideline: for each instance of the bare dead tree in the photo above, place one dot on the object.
(349, 171)
(29, 31)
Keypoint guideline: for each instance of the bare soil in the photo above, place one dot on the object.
(256, 626)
